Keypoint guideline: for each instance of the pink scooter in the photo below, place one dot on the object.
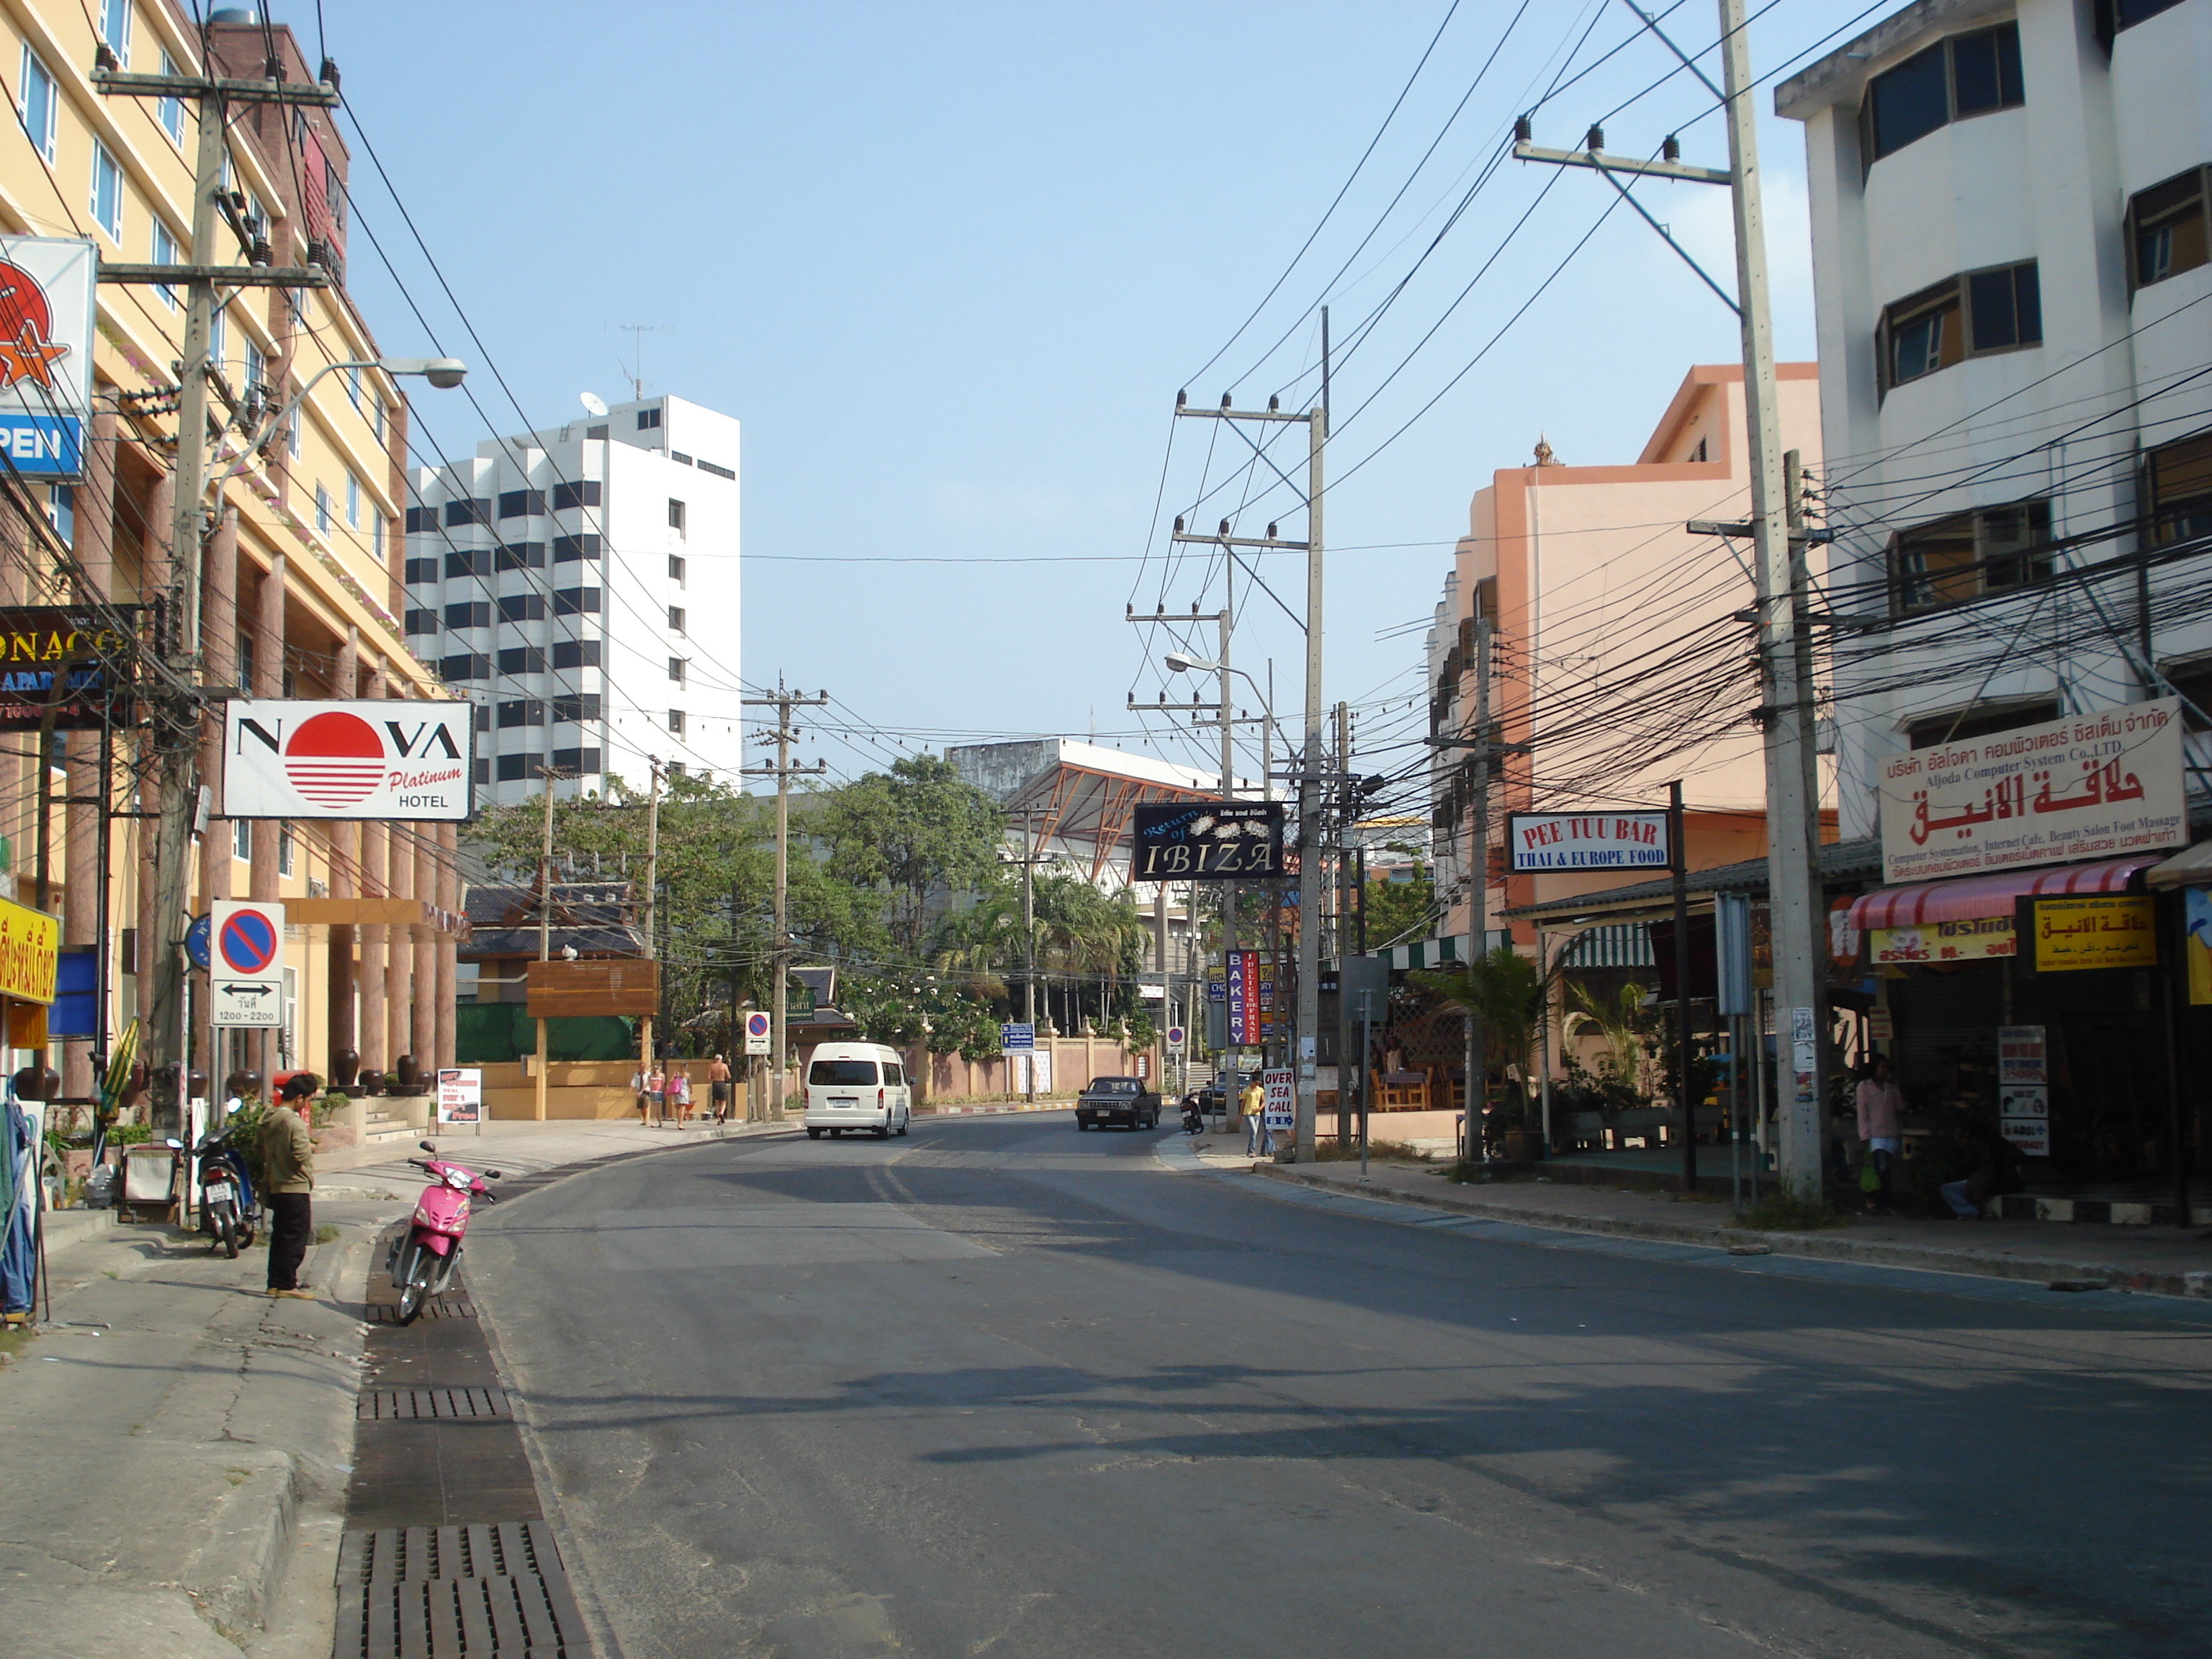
(422, 1262)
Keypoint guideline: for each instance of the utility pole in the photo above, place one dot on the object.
(652, 951)
(783, 737)
(177, 720)
(1315, 421)
(1029, 861)
(545, 928)
(1793, 842)
(1478, 893)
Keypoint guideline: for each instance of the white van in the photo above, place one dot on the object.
(857, 1085)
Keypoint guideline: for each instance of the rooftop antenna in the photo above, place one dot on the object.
(636, 373)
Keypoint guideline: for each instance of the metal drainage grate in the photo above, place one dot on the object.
(451, 1592)
(455, 1405)
(388, 1312)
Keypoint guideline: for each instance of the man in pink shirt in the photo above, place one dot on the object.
(1882, 1116)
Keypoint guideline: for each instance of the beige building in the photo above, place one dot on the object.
(299, 597)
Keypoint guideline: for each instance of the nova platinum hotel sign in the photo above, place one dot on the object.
(2082, 786)
(399, 759)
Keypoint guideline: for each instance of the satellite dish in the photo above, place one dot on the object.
(593, 404)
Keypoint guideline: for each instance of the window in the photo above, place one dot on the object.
(1967, 74)
(584, 493)
(377, 406)
(677, 668)
(466, 665)
(719, 471)
(2177, 480)
(679, 458)
(675, 722)
(2191, 680)
(285, 847)
(576, 653)
(107, 191)
(256, 369)
(567, 550)
(520, 556)
(420, 518)
(115, 28)
(468, 511)
(171, 110)
(1988, 550)
(37, 103)
(241, 838)
(61, 513)
(514, 768)
(480, 716)
(1964, 725)
(421, 570)
(380, 532)
(1982, 311)
(352, 386)
(595, 432)
(166, 252)
(675, 619)
(2166, 229)
(353, 503)
(676, 568)
(522, 660)
(469, 562)
(422, 622)
(528, 712)
(675, 513)
(522, 607)
(576, 760)
(575, 601)
(648, 419)
(469, 613)
(578, 706)
(217, 329)
(2113, 15)
(522, 504)
(484, 771)
(322, 511)
(245, 661)
(292, 434)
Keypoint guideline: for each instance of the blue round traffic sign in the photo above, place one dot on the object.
(196, 941)
(757, 1025)
(248, 942)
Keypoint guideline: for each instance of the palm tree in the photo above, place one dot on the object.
(1510, 997)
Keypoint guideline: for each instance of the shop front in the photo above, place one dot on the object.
(30, 957)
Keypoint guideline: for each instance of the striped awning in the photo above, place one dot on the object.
(1428, 952)
(1969, 898)
(1625, 945)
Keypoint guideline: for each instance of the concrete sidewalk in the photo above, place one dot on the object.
(179, 1443)
(2171, 1262)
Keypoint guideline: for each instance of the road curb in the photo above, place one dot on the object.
(1872, 1253)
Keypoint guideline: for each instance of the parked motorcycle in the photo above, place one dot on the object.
(229, 1208)
(422, 1262)
(1194, 1119)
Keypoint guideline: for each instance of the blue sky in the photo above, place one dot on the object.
(950, 265)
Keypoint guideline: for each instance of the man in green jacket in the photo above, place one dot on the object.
(288, 1162)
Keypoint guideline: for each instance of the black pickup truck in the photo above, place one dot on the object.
(1127, 1100)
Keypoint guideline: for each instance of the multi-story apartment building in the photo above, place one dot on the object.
(2009, 206)
(300, 597)
(580, 586)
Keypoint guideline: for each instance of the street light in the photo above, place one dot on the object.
(443, 372)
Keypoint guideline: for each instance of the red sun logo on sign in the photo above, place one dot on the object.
(27, 326)
(335, 759)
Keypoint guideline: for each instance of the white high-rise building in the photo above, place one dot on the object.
(581, 586)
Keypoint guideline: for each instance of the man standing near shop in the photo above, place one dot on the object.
(1259, 1142)
(288, 1164)
(1881, 1111)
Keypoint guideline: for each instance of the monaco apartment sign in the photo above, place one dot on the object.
(396, 759)
(2082, 786)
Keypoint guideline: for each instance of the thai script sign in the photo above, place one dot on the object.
(2085, 785)
(30, 952)
(2024, 1089)
(400, 759)
(2112, 931)
(1975, 940)
(1586, 841)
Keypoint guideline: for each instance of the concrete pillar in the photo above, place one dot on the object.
(266, 630)
(423, 1026)
(152, 584)
(218, 648)
(95, 547)
(399, 949)
(443, 942)
(375, 841)
(346, 883)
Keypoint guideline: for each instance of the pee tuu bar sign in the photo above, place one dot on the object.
(63, 669)
(1586, 841)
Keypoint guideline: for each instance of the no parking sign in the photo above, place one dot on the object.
(756, 1033)
(246, 969)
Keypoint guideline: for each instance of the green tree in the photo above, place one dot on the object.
(915, 836)
(1400, 910)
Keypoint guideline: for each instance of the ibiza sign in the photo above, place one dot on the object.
(46, 352)
(400, 760)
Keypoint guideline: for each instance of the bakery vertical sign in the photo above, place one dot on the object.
(45, 352)
(2089, 786)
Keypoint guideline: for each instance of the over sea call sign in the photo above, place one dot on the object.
(2085, 785)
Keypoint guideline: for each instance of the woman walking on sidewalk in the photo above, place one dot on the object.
(288, 1161)
(1881, 1112)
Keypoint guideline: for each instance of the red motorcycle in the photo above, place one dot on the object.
(422, 1262)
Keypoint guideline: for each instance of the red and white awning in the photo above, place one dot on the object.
(1970, 897)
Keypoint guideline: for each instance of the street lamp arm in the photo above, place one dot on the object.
(444, 373)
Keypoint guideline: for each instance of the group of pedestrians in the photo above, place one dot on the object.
(1881, 1106)
(664, 1091)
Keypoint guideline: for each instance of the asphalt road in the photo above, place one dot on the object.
(1004, 1388)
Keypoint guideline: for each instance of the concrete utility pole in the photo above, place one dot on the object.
(545, 926)
(177, 719)
(1793, 828)
(646, 916)
(783, 737)
(1478, 892)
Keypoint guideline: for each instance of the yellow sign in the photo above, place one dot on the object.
(2197, 917)
(2093, 933)
(30, 952)
(1975, 939)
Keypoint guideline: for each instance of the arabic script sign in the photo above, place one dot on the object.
(2085, 785)
(2114, 932)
